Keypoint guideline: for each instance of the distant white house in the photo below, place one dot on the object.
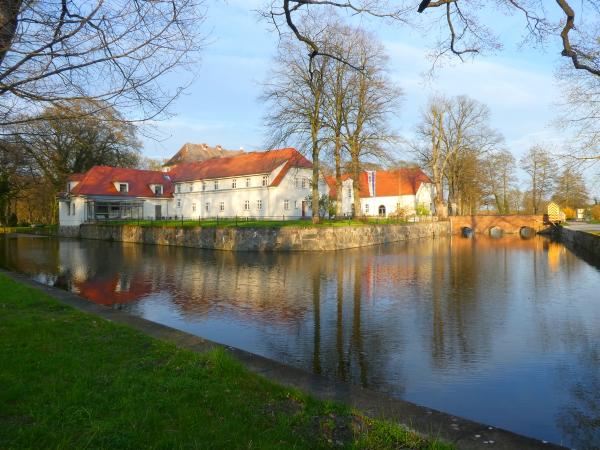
(387, 192)
(273, 184)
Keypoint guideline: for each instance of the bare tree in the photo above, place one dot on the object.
(114, 52)
(581, 116)
(469, 30)
(454, 135)
(68, 139)
(295, 94)
(371, 98)
(541, 167)
(322, 105)
(570, 189)
(499, 178)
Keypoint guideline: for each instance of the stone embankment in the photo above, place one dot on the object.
(288, 238)
(581, 240)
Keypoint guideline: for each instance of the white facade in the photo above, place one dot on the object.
(281, 194)
(388, 205)
(245, 196)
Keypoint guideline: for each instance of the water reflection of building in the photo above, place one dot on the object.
(428, 314)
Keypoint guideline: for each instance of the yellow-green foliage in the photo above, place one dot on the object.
(595, 210)
(570, 213)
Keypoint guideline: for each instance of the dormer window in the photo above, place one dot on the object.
(265, 180)
(123, 188)
(158, 189)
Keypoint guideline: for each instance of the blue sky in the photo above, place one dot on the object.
(222, 105)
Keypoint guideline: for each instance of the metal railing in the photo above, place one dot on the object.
(245, 220)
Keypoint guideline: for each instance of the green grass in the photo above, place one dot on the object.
(243, 223)
(74, 380)
(39, 230)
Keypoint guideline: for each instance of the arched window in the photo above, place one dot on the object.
(382, 210)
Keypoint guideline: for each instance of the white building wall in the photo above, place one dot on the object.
(370, 205)
(149, 207)
(291, 189)
(71, 212)
(193, 203)
(425, 196)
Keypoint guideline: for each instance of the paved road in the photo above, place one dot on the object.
(580, 226)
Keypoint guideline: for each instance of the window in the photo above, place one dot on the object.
(265, 180)
(216, 185)
(222, 206)
(296, 204)
(247, 182)
(191, 187)
(158, 189)
(258, 204)
(122, 187)
(233, 183)
(203, 186)
(349, 193)
(286, 205)
(193, 207)
(73, 208)
(247, 205)
(207, 206)
(179, 203)
(303, 183)
(366, 209)
(297, 183)
(179, 188)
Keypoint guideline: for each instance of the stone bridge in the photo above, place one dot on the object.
(508, 224)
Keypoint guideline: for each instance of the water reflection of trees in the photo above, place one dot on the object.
(364, 315)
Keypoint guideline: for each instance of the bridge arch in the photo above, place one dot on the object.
(526, 232)
(496, 232)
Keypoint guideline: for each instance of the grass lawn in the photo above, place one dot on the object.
(40, 230)
(252, 223)
(73, 380)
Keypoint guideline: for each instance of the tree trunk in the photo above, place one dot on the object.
(338, 176)
(315, 184)
(9, 12)
(355, 164)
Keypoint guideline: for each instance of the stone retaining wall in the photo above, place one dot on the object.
(581, 240)
(262, 239)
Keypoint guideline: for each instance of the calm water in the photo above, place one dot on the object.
(506, 332)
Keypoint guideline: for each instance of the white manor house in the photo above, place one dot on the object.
(275, 184)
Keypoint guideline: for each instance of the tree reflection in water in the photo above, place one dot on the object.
(504, 331)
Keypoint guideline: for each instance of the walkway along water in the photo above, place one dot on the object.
(464, 433)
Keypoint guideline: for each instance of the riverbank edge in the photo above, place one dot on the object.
(463, 433)
(583, 241)
(261, 239)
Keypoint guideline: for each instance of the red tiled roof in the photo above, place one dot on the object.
(388, 183)
(99, 180)
(245, 164)
(76, 177)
